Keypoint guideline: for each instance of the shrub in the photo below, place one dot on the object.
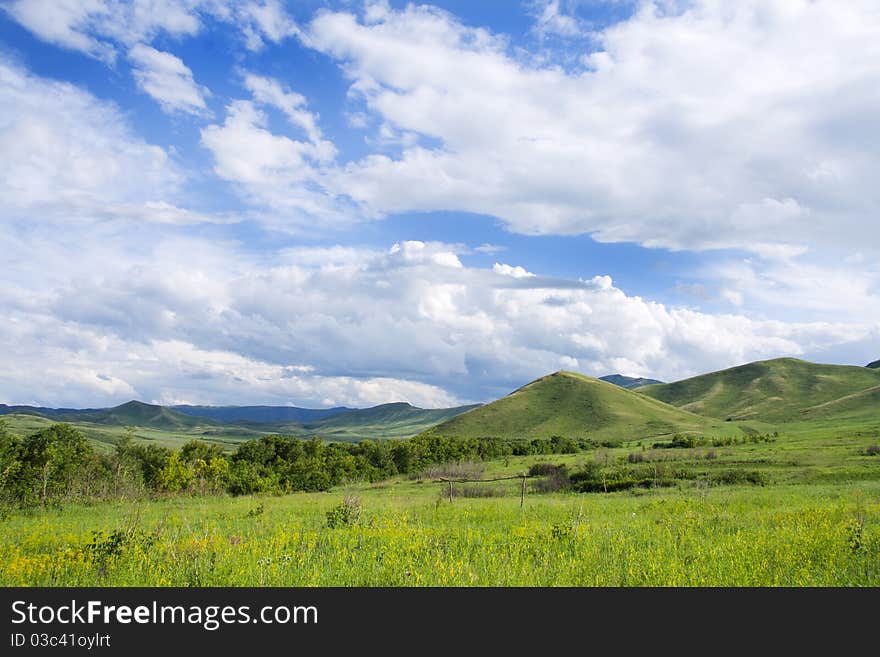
(872, 450)
(543, 469)
(346, 514)
(476, 490)
(461, 470)
(555, 480)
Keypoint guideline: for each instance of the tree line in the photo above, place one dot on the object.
(59, 464)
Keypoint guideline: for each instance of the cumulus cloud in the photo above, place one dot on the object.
(513, 272)
(98, 27)
(168, 80)
(285, 177)
(173, 319)
(551, 20)
(69, 156)
(764, 137)
(91, 26)
(269, 91)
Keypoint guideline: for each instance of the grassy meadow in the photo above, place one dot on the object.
(814, 521)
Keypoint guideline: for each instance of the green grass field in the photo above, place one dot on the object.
(800, 535)
(816, 522)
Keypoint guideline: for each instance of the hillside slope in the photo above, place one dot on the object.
(573, 405)
(778, 390)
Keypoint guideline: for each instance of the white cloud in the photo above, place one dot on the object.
(707, 126)
(168, 80)
(264, 19)
(790, 286)
(489, 248)
(514, 272)
(550, 20)
(97, 27)
(68, 157)
(285, 177)
(172, 318)
(270, 92)
(248, 153)
(91, 26)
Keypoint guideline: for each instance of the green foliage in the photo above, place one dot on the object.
(175, 475)
(52, 465)
(681, 441)
(105, 546)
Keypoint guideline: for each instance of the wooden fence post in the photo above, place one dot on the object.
(522, 493)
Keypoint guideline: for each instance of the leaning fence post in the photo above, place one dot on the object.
(450, 490)
(522, 493)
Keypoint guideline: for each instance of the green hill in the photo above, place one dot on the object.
(139, 414)
(573, 405)
(779, 390)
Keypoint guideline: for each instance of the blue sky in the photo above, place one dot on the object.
(323, 203)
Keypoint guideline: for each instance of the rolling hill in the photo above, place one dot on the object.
(628, 382)
(133, 413)
(139, 414)
(59, 414)
(573, 405)
(173, 428)
(778, 390)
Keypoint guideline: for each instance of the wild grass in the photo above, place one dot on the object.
(800, 535)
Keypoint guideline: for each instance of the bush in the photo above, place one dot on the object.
(543, 469)
(346, 514)
(556, 478)
(872, 450)
(462, 470)
(476, 490)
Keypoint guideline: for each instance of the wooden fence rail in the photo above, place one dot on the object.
(522, 494)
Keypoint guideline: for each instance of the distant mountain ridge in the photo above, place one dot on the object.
(628, 382)
(393, 420)
(614, 407)
(261, 413)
